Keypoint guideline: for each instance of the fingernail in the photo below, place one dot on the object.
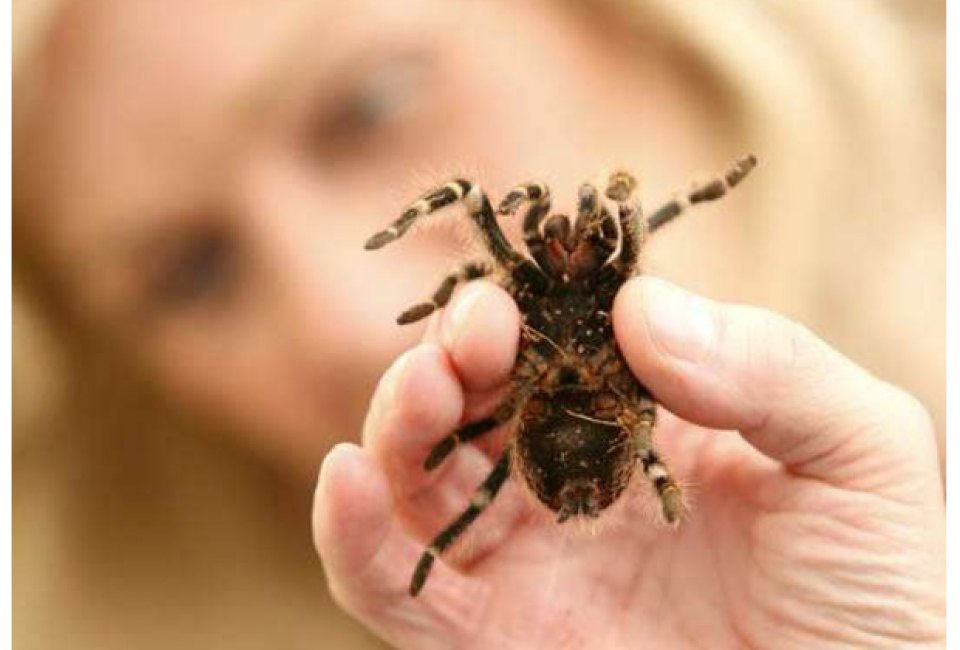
(465, 302)
(681, 323)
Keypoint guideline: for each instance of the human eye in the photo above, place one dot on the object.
(198, 268)
(383, 100)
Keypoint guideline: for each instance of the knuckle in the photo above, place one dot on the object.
(908, 411)
(396, 402)
(906, 426)
(776, 344)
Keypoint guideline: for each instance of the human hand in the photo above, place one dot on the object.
(819, 525)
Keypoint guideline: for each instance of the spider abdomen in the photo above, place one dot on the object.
(575, 463)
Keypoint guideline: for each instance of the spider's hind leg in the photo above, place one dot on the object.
(656, 471)
(466, 273)
(481, 499)
(501, 414)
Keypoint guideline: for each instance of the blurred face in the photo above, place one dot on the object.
(201, 178)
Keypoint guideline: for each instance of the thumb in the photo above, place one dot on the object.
(789, 394)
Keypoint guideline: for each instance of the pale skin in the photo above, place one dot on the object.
(820, 524)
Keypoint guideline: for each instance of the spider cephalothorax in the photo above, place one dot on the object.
(581, 422)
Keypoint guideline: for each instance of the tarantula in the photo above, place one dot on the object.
(582, 421)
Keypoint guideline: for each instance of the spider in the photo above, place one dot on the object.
(582, 421)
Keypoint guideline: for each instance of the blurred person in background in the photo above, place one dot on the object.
(196, 322)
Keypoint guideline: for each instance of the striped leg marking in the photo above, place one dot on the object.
(504, 411)
(481, 213)
(534, 192)
(656, 471)
(430, 202)
(671, 499)
(482, 498)
(538, 195)
(467, 272)
(532, 237)
(710, 191)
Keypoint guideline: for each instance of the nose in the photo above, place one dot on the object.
(578, 497)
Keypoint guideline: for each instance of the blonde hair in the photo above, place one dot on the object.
(842, 102)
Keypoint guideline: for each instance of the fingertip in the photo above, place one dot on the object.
(790, 395)
(427, 396)
(699, 357)
(351, 510)
(480, 330)
(660, 341)
(661, 321)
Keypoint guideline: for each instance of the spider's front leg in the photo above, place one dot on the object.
(538, 195)
(482, 215)
(431, 201)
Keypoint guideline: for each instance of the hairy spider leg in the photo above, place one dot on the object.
(710, 191)
(481, 499)
(501, 414)
(463, 434)
(526, 372)
(466, 273)
(481, 212)
(538, 195)
(533, 239)
(431, 201)
(534, 192)
(656, 471)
